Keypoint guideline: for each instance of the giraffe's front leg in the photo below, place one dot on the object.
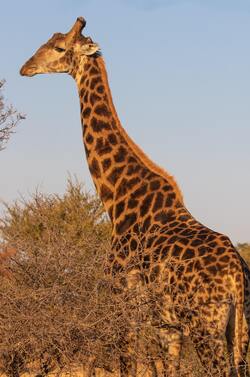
(170, 342)
(128, 359)
(128, 366)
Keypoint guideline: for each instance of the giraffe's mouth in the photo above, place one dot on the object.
(28, 70)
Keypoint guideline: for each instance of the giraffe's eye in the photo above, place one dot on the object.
(59, 49)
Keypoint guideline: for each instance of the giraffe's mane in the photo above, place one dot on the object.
(135, 148)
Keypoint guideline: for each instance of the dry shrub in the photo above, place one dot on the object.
(57, 305)
(244, 250)
(9, 118)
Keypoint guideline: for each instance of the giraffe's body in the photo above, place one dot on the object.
(195, 274)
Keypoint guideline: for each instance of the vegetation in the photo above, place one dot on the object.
(244, 249)
(52, 311)
(9, 118)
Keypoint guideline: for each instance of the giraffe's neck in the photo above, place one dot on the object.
(116, 163)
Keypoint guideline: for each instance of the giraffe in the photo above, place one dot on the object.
(194, 273)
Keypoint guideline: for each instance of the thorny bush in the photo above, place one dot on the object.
(57, 306)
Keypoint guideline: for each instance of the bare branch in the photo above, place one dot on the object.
(9, 118)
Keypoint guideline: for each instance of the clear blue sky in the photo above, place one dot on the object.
(180, 76)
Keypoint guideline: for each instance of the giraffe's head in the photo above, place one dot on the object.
(61, 53)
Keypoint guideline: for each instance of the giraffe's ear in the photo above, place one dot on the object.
(89, 48)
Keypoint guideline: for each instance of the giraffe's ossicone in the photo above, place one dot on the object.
(200, 283)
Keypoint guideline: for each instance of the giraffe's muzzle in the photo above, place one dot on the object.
(28, 70)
